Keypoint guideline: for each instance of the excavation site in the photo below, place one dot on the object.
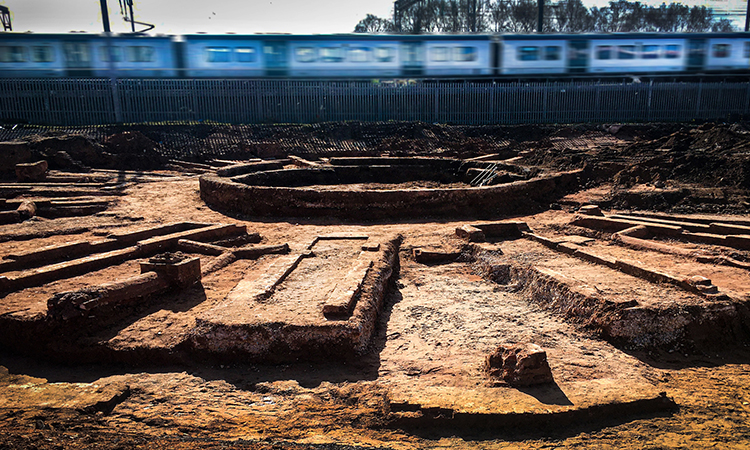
(389, 285)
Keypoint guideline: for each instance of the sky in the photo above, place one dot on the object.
(218, 16)
(189, 16)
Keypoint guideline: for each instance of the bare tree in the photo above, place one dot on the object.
(566, 16)
(374, 24)
(523, 16)
(571, 16)
(722, 26)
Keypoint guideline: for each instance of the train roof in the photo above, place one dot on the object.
(589, 36)
(338, 37)
(370, 37)
(79, 36)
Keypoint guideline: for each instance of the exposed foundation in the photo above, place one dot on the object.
(380, 188)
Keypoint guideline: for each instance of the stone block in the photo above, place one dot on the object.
(7, 217)
(179, 269)
(423, 256)
(638, 231)
(568, 247)
(256, 251)
(26, 210)
(697, 280)
(547, 242)
(519, 365)
(470, 233)
(36, 171)
(590, 210)
(503, 229)
(186, 245)
(725, 228)
(83, 302)
(741, 242)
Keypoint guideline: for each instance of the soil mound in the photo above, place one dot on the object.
(133, 150)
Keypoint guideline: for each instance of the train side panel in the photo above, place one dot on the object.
(219, 56)
(32, 56)
(635, 55)
(134, 57)
(533, 56)
(727, 54)
(457, 58)
(344, 58)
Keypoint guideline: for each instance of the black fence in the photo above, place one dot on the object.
(70, 102)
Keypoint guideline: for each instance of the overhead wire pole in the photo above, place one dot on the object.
(5, 18)
(132, 17)
(111, 62)
(126, 9)
(105, 16)
(747, 17)
(540, 16)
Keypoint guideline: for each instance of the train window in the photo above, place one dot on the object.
(77, 53)
(218, 54)
(603, 52)
(747, 50)
(552, 53)
(527, 53)
(42, 53)
(464, 54)
(360, 54)
(650, 52)
(331, 54)
(626, 52)
(439, 54)
(721, 50)
(385, 54)
(305, 54)
(245, 54)
(672, 51)
(12, 53)
(140, 53)
(116, 53)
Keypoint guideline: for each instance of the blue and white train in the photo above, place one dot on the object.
(29, 55)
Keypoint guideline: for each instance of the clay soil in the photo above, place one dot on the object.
(121, 382)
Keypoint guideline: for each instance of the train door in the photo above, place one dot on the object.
(578, 56)
(696, 55)
(412, 59)
(78, 59)
(496, 53)
(275, 58)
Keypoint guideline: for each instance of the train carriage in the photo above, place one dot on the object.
(226, 55)
(727, 54)
(29, 55)
(533, 55)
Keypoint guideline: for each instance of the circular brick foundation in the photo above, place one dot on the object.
(330, 191)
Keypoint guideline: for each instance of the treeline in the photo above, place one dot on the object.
(565, 16)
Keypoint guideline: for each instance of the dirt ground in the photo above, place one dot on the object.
(125, 385)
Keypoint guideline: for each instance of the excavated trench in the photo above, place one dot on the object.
(158, 274)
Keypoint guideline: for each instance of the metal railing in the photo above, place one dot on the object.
(69, 102)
